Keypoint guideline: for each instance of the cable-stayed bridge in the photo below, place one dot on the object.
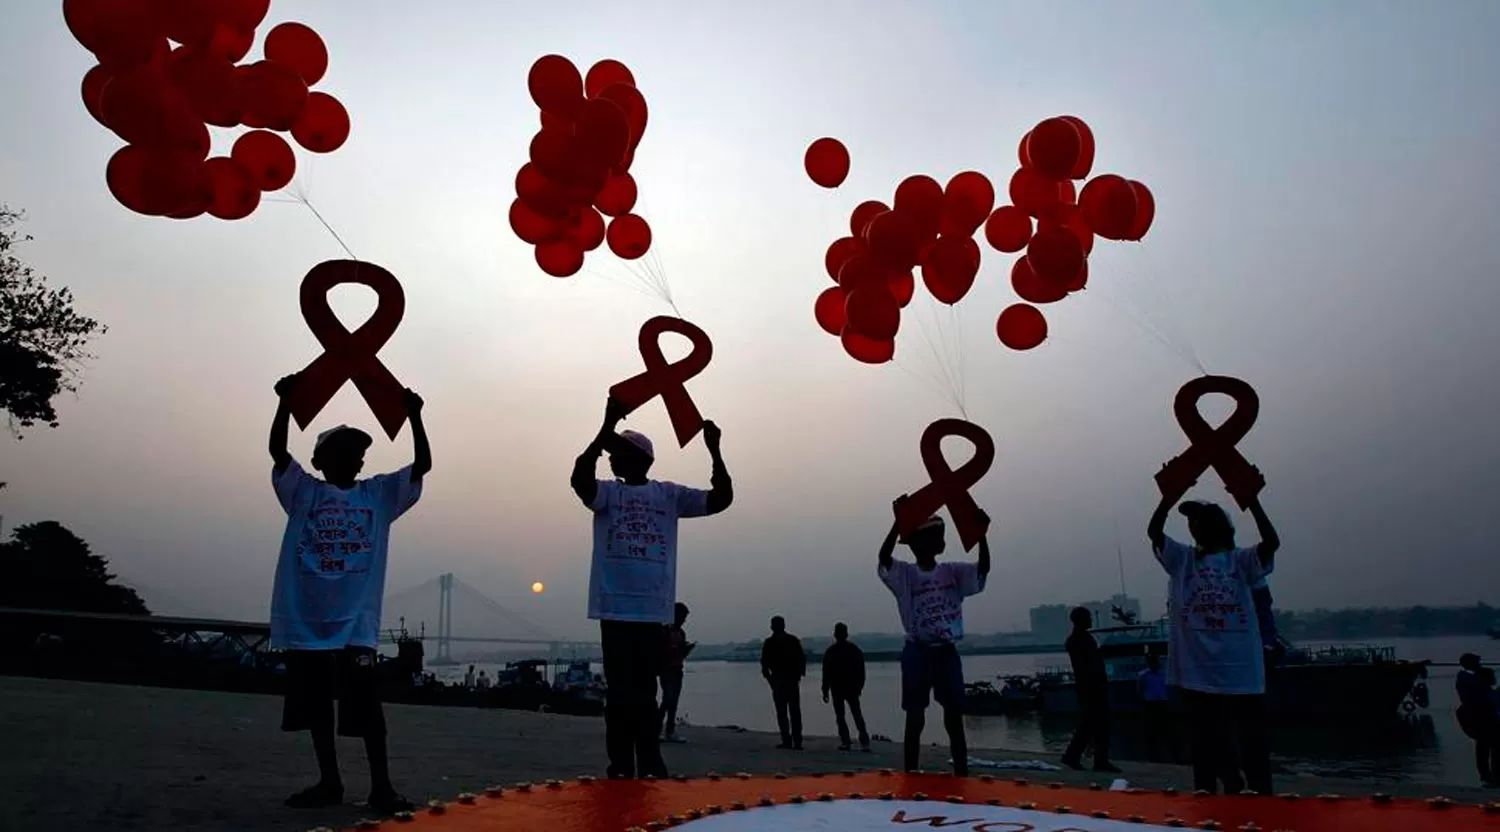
(427, 611)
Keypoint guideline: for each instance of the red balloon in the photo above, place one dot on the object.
(841, 251)
(153, 182)
(967, 201)
(552, 153)
(866, 349)
(860, 218)
(1055, 255)
(1021, 327)
(629, 236)
(588, 234)
(300, 48)
(894, 239)
(268, 158)
(829, 310)
(1024, 151)
(949, 268)
(188, 22)
(1085, 161)
(1032, 288)
(121, 33)
(1110, 206)
(1038, 195)
(873, 313)
(1145, 211)
(902, 286)
(862, 270)
(274, 95)
(618, 195)
(555, 85)
(1071, 218)
(1053, 147)
(553, 121)
(531, 226)
(143, 107)
(540, 193)
(1008, 229)
(236, 195)
(605, 74)
(94, 82)
(230, 43)
(560, 258)
(633, 105)
(601, 133)
(1079, 280)
(827, 162)
(921, 198)
(323, 126)
(210, 84)
(244, 15)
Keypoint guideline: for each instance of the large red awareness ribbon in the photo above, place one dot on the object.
(350, 356)
(1213, 447)
(949, 487)
(665, 379)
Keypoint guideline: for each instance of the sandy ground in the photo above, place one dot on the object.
(80, 756)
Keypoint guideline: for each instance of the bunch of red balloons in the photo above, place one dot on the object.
(168, 69)
(1054, 154)
(579, 171)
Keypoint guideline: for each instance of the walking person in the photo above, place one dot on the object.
(1091, 682)
(783, 663)
(678, 648)
(1477, 717)
(330, 581)
(1215, 654)
(633, 578)
(929, 597)
(1156, 711)
(844, 679)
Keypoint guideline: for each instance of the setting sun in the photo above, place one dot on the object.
(538, 587)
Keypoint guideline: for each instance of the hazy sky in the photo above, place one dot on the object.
(1326, 186)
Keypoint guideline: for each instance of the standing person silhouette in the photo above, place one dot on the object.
(844, 678)
(783, 663)
(330, 581)
(1091, 682)
(677, 650)
(633, 578)
(1476, 715)
(929, 597)
(1156, 711)
(1214, 650)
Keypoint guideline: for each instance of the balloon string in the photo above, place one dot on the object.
(299, 194)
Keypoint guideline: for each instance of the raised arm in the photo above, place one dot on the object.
(1270, 541)
(984, 548)
(281, 423)
(421, 450)
(720, 485)
(1156, 530)
(584, 484)
(888, 546)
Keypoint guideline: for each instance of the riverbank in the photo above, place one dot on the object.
(113, 757)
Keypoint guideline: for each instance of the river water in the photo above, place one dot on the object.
(1426, 748)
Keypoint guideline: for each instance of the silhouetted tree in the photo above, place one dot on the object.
(45, 566)
(43, 342)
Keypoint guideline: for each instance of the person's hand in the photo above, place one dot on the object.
(899, 502)
(614, 412)
(412, 401)
(711, 435)
(286, 385)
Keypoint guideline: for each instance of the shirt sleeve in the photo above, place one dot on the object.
(970, 582)
(894, 578)
(289, 484)
(397, 491)
(691, 502)
(1171, 554)
(604, 491)
(1250, 566)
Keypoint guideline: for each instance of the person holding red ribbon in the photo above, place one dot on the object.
(1214, 653)
(633, 578)
(929, 597)
(330, 580)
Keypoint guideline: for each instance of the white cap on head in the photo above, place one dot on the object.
(933, 522)
(640, 441)
(363, 438)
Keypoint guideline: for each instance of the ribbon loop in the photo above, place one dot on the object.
(666, 379)
(350, 356)
(949, 487)
(1213, 447)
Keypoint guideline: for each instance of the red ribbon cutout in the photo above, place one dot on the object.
(950, 487)
(666, 379)
(1213, 447)
(350, 356)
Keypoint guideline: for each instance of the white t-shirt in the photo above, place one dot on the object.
(1214, 637)
(634, 572)
(931, 603)
(330, 578)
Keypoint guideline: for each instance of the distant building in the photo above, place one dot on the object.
(1049, 622)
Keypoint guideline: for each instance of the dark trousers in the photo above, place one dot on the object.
(1485, 731)
(839, 701)
(1092, 730)
(671, 692)
(787, 694)
(1229, 736)
(1161, 744)
(632, 658)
